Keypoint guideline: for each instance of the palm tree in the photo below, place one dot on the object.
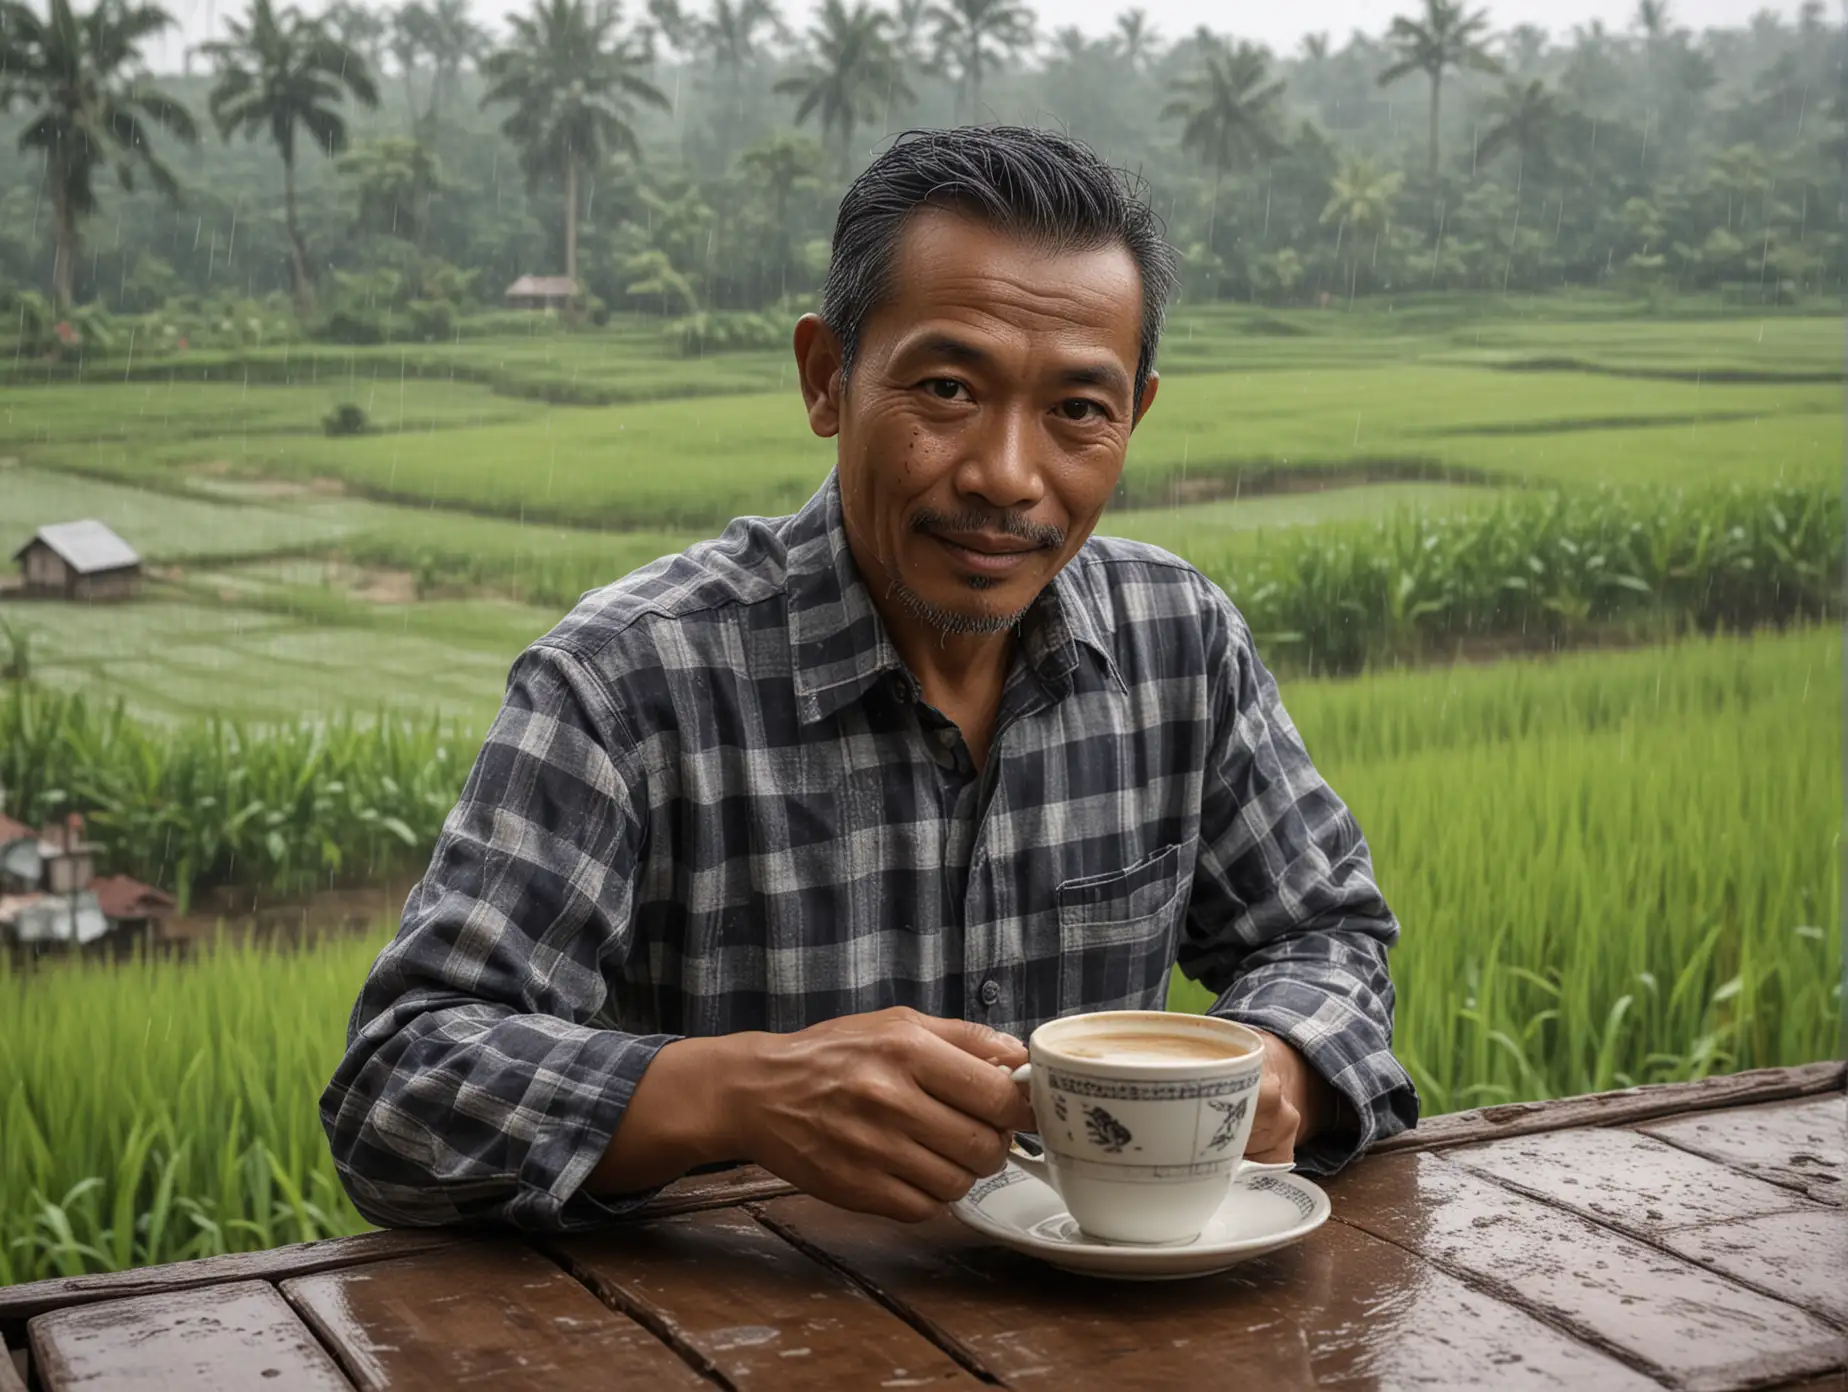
(735, 36)
(361, 29)
(1524, 47)
(1444, 38)
(1525, 118)
(573, 81)
(408, 30)
(974, 35)
(853, 75)
(908, 20)
(87, 108)
(1360, 206)
(1136, 39)
(1315, 47)
(1653, 17)
(1230, 107)
(450, 40)
(783, 166)
(277, 72)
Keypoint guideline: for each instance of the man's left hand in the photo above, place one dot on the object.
(1295, 1103)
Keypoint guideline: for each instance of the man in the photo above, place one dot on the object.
(778, 848)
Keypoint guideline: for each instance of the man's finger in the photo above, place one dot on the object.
(962, 1081)
(987, 1044)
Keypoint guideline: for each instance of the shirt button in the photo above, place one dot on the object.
(991, 991)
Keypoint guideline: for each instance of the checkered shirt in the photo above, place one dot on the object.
(714, 800)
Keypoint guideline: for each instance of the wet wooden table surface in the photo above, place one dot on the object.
(1692, 1236)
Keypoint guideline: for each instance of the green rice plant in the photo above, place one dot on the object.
(156, 1111)
(1609, 869)
(1548, 569)
(287, 808)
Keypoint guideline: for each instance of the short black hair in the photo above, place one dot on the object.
(1030, 183)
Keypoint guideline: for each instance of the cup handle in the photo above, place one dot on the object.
(1032, 1164)
(1247, 1168)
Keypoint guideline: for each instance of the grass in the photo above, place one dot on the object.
(1583, 906)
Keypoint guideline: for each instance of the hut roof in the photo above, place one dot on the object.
(87, 547)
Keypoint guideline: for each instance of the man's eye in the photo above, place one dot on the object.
(1081, 408)
(945, 388)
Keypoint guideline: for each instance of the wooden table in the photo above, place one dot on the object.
(1691, 1236)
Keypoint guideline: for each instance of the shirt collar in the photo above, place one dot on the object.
(838, 644)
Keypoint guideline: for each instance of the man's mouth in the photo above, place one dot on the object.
(987, 552)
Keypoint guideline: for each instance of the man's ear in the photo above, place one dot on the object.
(818, 368)
(1148, 397)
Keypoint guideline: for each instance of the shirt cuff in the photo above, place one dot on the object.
(606, 1068)
(1351, 1052)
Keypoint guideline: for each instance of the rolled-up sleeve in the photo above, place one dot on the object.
(1286, 923)
(475, 1084)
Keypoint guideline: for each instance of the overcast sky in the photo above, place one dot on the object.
(1278, 25)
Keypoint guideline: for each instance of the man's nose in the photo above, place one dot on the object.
(1005, 463)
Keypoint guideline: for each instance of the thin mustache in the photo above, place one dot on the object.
(1007, 523)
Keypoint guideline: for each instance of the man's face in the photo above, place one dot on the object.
(986, 419)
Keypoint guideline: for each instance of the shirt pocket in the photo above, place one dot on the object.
(1118, 934)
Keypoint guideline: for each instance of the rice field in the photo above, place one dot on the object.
(695, 464)
(1583, 906)
(1611, 867)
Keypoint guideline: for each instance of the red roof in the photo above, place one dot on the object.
(11, 830)
(121, 897)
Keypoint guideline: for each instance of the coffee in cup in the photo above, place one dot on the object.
(1144, 1117)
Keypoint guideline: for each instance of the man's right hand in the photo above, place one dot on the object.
(893, 1113)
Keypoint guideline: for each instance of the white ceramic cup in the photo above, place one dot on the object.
(1142, 1151)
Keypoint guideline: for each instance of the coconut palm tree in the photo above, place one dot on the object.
(782, 166)
(573, 80)
(1523, 117)
(1360, 207)
(406, 32)
(736, 34)
(853, 75)
(88, 106)
(1442, 38)
(974, 35)
(361, 29)
(451, 39)
(1230, 107)
(1135, 38)
(278, 73)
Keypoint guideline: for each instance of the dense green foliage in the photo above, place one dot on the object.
(1583, 906)
(1653, 160)
(289, 809)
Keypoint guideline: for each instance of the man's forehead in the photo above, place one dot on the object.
(947, 262)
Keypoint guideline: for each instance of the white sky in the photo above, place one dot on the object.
(1278, 25)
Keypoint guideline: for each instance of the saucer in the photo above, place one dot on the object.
(1259, 1215)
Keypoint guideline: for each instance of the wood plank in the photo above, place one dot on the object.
(1625, 1107)
(492, 1314)
(743, 1304)
(1337, 1309)
(1801, 1256)
(1803, 1145)
(228, 1338)
(715, 1190)
(20, 1303)
(1690, 1327)
(1631, 1182)
(12, 1369)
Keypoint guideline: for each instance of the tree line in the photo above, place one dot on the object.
(686, 161)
